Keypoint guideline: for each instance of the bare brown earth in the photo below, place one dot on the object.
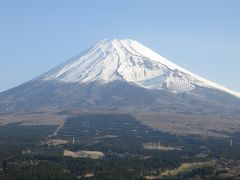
(208, 125)
(33, 119)
(176, 123)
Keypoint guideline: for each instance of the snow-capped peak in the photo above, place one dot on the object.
(130, 61)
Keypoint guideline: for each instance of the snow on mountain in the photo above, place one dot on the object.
(130, 61)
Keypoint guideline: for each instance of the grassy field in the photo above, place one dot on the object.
(188, 167)
(184, 168)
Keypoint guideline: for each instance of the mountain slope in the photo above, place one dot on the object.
(130, 61)
(123, 76)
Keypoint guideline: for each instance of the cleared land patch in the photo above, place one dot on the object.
(160, 147)
(84, 154)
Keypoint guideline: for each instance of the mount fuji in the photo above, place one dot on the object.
(128, 61)
(124, 76)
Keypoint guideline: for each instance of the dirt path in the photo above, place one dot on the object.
(58, 129)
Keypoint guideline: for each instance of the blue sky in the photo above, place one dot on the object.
(202, 36)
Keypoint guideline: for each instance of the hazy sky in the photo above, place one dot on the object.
(202, 36)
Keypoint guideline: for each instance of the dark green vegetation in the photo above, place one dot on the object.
(119, 137)
(15, 138)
